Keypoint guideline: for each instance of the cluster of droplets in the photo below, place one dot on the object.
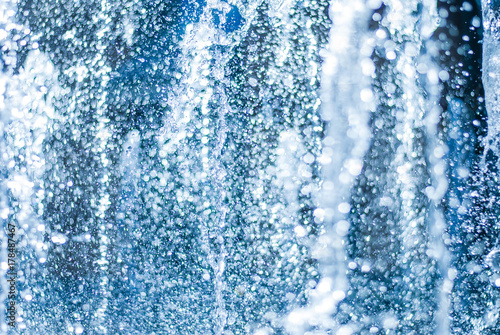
(381, 87)
(25, 113)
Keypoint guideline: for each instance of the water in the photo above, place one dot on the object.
(249, 167)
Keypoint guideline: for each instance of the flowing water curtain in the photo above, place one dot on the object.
(472, 205)
(27, 96)
(459, 39)
(160, 268)
(86, 272)
(475, 299)
(173, 211)
(395, 241)
(274, 87)
(77, 181)
(157, 253)
(392, 282)
(224, 151)
(347, 100)
(26, 111)
(9, 61)
(178, 252)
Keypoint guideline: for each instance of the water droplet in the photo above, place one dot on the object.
(493, 259)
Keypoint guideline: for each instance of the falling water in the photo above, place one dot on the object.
(249, 167)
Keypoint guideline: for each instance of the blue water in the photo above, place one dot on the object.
(250, 167)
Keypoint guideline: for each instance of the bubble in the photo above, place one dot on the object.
(493, 259)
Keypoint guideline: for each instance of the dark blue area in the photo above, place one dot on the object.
(494, 4)
(233, 20)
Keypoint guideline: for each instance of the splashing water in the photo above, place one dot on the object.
(249, 167)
